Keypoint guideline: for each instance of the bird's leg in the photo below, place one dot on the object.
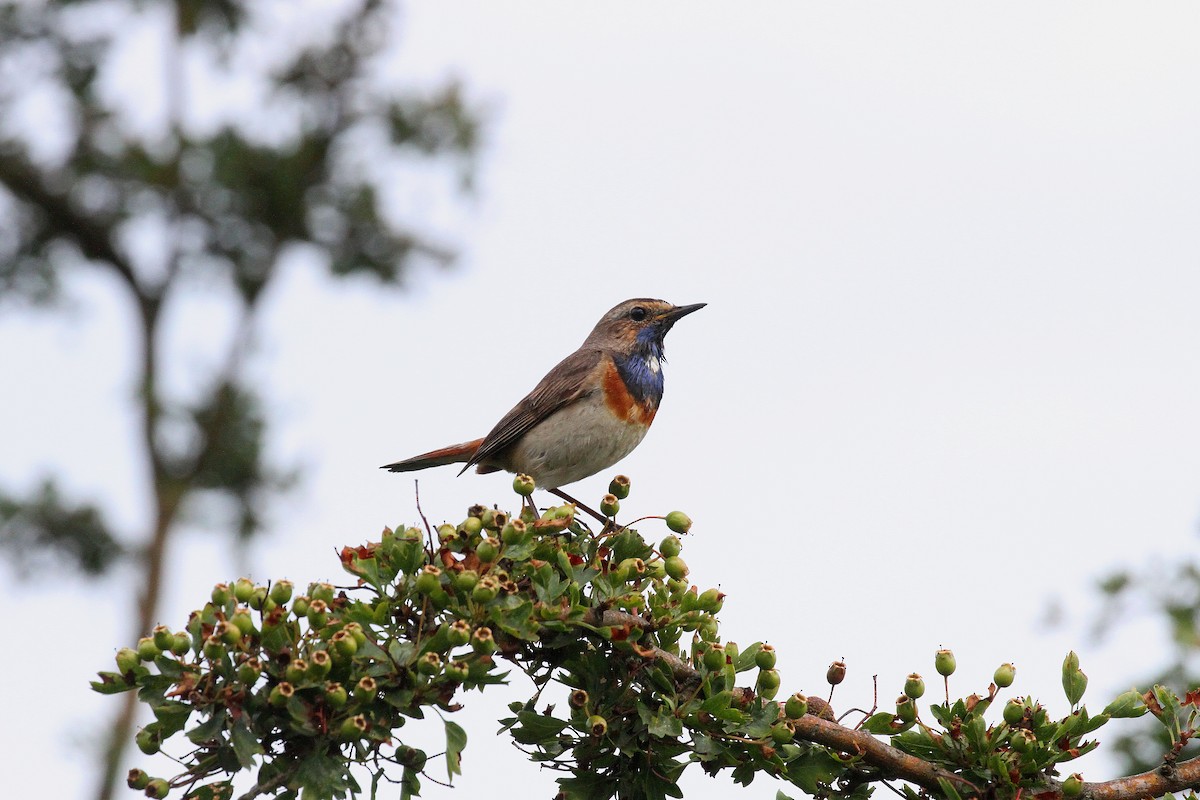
(596, 514)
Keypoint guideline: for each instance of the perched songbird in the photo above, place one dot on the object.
(587, 414)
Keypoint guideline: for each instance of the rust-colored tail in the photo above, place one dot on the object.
(454, 454)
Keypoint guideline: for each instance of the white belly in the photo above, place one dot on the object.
(575, 442)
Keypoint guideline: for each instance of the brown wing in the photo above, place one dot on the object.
(566, 383)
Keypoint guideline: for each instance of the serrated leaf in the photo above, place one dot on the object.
(173, 716)
(245, 745)
(533, 728)
(112, 683)
(208, 730)
(665, 725)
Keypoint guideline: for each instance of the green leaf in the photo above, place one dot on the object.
(173, 717)
(880, 724)
(1073, 680)
(245, 745)
(517, 621)
(1127, 704)
(533, 728)
(456, 742)
(222, 790)
(410, 785)
(112, 683)
(208, 730)
(665, 725)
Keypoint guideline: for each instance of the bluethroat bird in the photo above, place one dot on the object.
(588, 413)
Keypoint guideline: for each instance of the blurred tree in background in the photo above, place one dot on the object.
(187, 207)
(1166, 590)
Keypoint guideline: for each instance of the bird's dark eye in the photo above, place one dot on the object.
(637, 313)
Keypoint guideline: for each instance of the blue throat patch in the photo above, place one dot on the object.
(644, 383)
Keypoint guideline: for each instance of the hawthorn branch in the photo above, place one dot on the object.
(894, 763)
(1154, 783)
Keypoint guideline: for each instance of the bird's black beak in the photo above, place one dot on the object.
(669, 318)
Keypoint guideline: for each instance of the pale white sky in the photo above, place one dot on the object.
(948, 370)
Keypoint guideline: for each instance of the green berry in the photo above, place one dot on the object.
(229, 633)
(149, 739)
(220, 594)
(711, 600)
(459, 632)
(523, 485)
(157, 788)
(472, 526)
(458, 670)
(344, 644)
(319, 665)
(782, 732)
(514, 532)
(796, 706)
(260, 600)
(679, 522)
(465, 581)
(1004, 676)
(280, 694)
(906, 708)
(249, 671)
(429, 663)
(670, 546)
(300, 606)
(676, 567)
(365, 689)
(356, 630)
(321, 591)
(429, 579)
(767, 685)
(335, 694)
(214, 648)
(411, 757)
(281, 591)
(1022, 740)
(765, 657)
(487, 550)
(482, 641)
(597, 725)
(578, 699)
(137, 779)
(714, 657)
(243, 590)
(244, 622)
(296, 670)
(147, 650)
(914, 686)
(486, 590)
(318, 613)
(181, 643)
(609, 505)
(163, 638)
(1014, 711)
(944, 662)
(355, 727)
(127, 659)
(619, 487)
(1073, 785)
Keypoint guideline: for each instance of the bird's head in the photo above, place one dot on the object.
(638, 325)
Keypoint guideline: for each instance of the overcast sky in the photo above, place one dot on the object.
(948, 372)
